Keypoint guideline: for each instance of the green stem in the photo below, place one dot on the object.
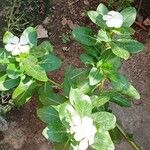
(132, 143)
(56, 84)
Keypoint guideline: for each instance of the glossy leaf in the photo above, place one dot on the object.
(84, 36)
(48, 97)
(55, 133)
(33, 69)
(102, 9)
(24, 92)
(129, 16)
(131, 46)
(13, 71)
(48, 115)
(81, 102)
(7, 36)
(7, 83)
(97, 18)
(103, 141)
(86, 59)
(95, 76)
(131, 92)
(98, 101)
(31, 34)
(119, 99)
(102, 36)
(50, 63)
(104, 120)
(76, 78)
(119, 51)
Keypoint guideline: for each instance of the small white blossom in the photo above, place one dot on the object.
(17, 46)
(113, 19)
(84, 131)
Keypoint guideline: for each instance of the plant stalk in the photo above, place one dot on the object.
(132, 143)
(56, 84)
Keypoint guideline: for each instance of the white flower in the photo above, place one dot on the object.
(84, 131)
(17, 46)
(113, 19)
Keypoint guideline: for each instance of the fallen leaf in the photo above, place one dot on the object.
(42, 32)
(146, 22)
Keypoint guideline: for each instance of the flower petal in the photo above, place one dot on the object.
(24, 49)
(23, 40)
(83, 145)
(87, 121)
(91, 140)
(113, 19)
(79, 135)
(15, 52)
(14, 40)
(76, 120)
(107, 17)
(9, 47)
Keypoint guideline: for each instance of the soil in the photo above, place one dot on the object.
(24, 131)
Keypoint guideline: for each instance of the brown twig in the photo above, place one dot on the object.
(140, 25)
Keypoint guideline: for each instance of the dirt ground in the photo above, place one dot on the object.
(24, 132)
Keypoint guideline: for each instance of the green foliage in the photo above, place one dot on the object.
(82, 100)
(26, 71)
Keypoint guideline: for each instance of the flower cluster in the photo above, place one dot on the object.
(83, 130)
(17, 46)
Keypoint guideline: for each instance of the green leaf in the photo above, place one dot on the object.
(97, 18)
(98, 101)
(50, 63)
(119, 99)
(131, 92)
(87, 59)
(109, 61)
(84, 36)
(94, 51)
(64, 114)
(63, 146)
(123, 31)
(4, 56)
(48, 115)
(129, 16)
(33, 69)
(24, 92)
(104, 120)
(81, 102)
(48, 97)
(55, 133)
(102, 9)
(116, 136)
(41, 50)
(119, 51)
(31, 34)
(102, 36)
(103, 142)
(7, 83)
(129, 45)
(7, 36)
(119, 82)
(13, 71)
(76, 78)
(95, 76)
(47, 46)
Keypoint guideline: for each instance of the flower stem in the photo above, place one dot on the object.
(56, 84)
(132, 143)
